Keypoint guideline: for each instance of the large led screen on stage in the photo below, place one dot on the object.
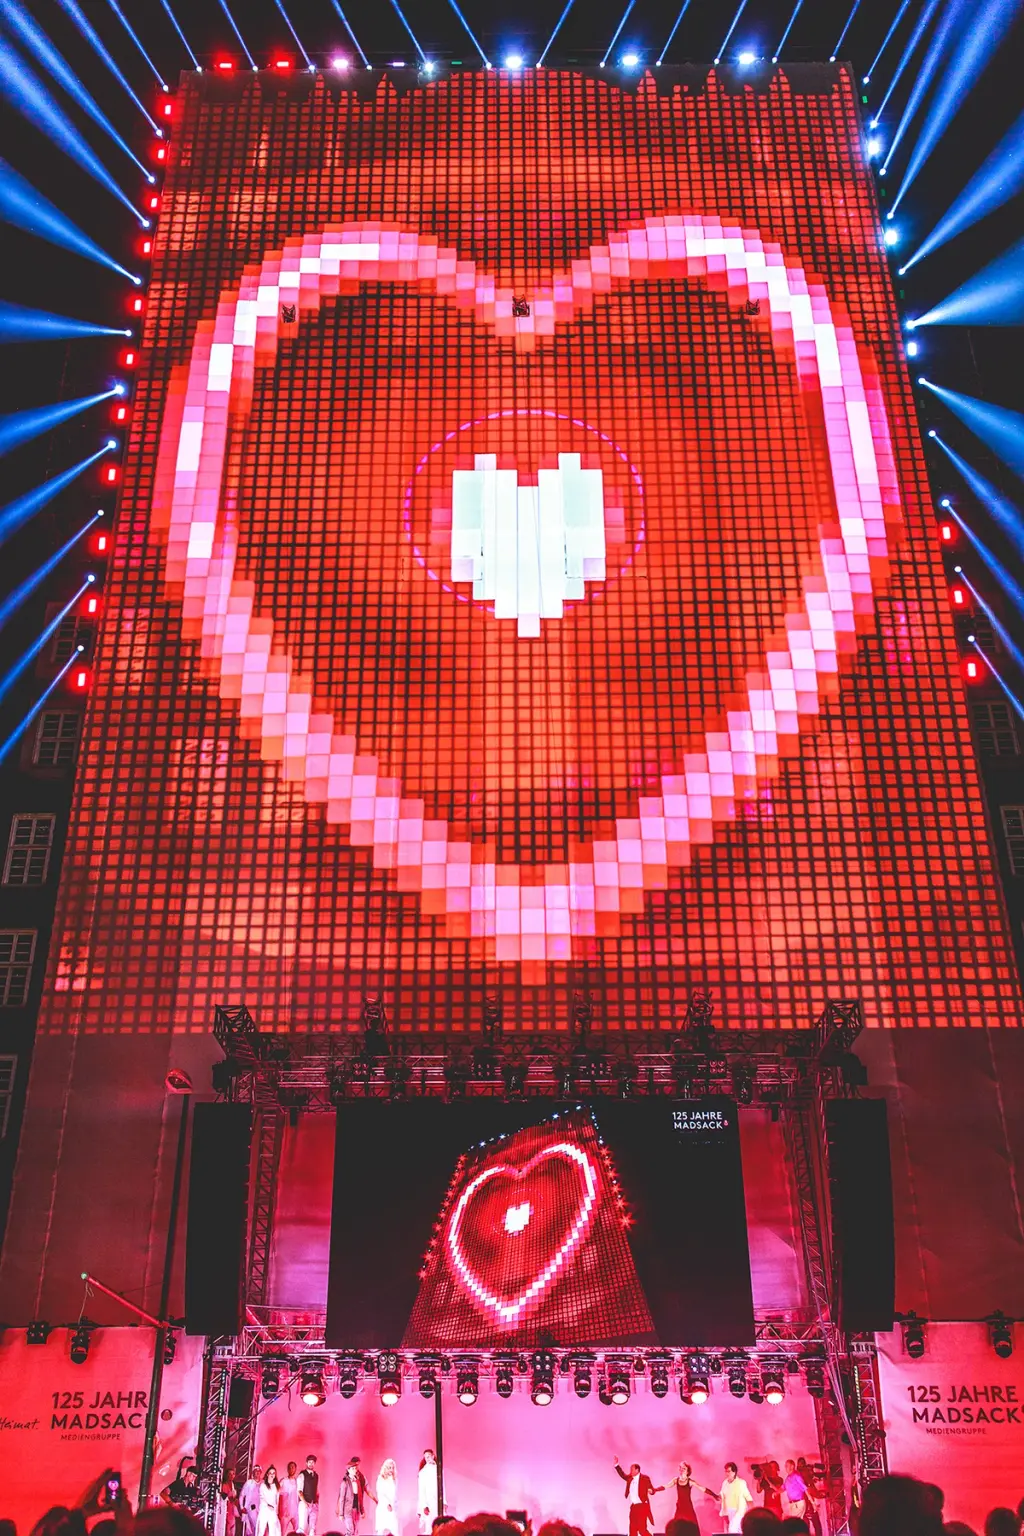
(484, 1224)
(525, 579)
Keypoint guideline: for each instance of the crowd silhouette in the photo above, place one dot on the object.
(892, 1506)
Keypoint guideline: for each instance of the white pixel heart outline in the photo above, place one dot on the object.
(508, 1312)
(536, 919)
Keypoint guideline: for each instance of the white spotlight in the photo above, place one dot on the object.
(339, 63)
(891, 236)
(746, 58)
(912, 349)
(513, 61)
(630, 60)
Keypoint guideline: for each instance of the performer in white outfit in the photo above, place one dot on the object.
(249, 1501)
(426, 1499)
(290, 1501)
(736, 1498)
(268, 1521)
(387, 1500)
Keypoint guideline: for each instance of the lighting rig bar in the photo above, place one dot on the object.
(317, 1073)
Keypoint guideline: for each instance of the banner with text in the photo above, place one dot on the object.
(62, 1424)
(955, 1417)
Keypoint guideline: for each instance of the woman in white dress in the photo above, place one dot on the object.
(427, 1492)
(268, 1521)
(387, 1500)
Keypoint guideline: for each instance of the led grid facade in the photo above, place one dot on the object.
(525, 579)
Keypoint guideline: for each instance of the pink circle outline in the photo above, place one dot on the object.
(531, 410)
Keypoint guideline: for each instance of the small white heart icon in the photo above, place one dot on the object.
(528, 549)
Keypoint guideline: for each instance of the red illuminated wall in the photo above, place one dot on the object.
(316, 763)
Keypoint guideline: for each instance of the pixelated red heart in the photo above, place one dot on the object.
(514, 1231)
(529, 910)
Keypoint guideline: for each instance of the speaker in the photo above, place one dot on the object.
(860, 1198)
(240, 1397)
(218, 1193)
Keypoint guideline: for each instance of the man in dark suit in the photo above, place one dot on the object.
(638, 1496)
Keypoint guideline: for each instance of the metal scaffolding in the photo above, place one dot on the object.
(792, 1073)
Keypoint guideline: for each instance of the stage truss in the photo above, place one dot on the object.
(793, 1073)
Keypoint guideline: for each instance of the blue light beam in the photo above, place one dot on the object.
(26, 721)
(25, 660)
(1006, 640)
(22, 426)
(948, 31)
(993, 296)
(842, 36)
(789, 27)
(91, 36)
(558, 27)
(27, 93)
(970, 57)
(1014, 701)
(1004, 514)
(923, 23)
(1000, 429)
(886, 40)
(469, 33)
(234, 27)
(123, 19)
(998, 179)
(412, 35)
(46, 54)
(27, 209)
(17, 513)
(348, 29)
(175, 24)
(618, 31)
(1014, 591)
(31, 584)
(732, 28)
(298, 39)
(20, 324)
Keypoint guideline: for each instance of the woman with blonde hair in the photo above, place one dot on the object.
(387, 1499)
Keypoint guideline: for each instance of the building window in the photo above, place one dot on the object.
(71, 632)
(17, 946)
(994, 727)
(56, 739)
(8, 1071)
(1013, 831)
(28, 850)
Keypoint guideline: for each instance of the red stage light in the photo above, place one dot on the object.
(92, 605)
(972, 669)
(946, 533)
(120, 414)
(110, 475)
(282, 63)
(147, 247)
(161, 153)
(154, 203)
(137, 306)
(80, 679)
(128, 359)
(226, 64)
(100, 545)
(168, 109)
(959, 597)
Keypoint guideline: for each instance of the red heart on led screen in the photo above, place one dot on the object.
(514, 1230)
(530, 911)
